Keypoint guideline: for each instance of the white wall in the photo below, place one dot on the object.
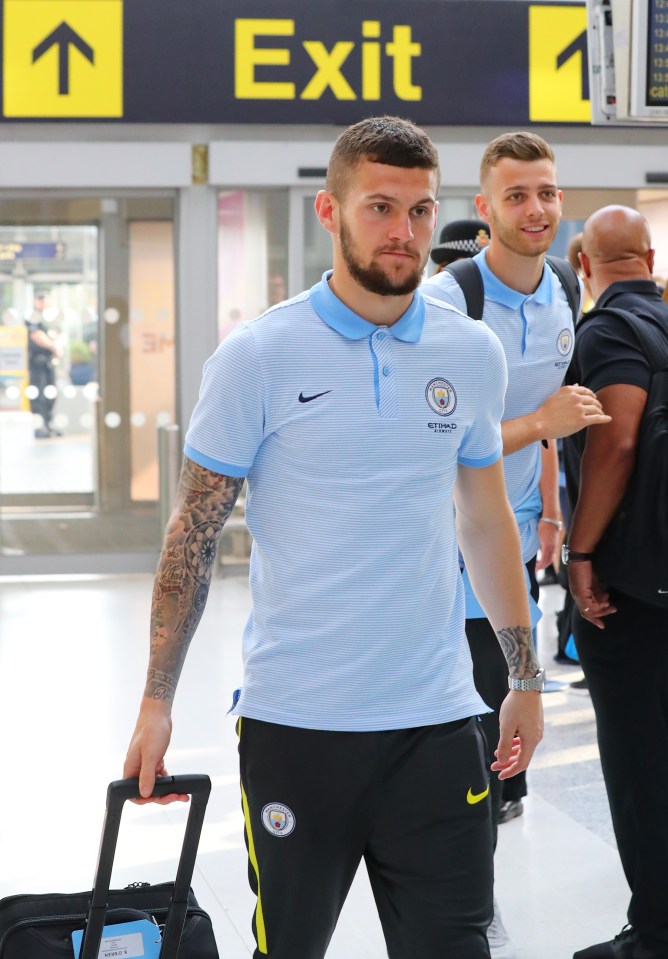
(656, 213)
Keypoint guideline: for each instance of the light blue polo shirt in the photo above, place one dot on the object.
(350, 436)
(536, 332)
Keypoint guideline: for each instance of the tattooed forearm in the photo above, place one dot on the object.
(163, 685)
(204, 502)
(519, 651)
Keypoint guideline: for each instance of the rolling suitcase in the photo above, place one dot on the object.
(132, 919)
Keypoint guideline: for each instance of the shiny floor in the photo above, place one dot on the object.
(72, 661)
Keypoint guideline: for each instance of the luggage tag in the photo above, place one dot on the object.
(125, 940)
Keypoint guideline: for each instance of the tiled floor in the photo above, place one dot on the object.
(72, 661)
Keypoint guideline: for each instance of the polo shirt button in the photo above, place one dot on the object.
(386, 371)
(380, 336)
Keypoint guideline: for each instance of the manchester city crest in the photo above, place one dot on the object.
(565, 342)
(278, 819)
(441, 396)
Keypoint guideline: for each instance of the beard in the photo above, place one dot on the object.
(509, 238)
(373, 278)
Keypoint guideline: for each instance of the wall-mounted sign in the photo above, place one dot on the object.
(500, 62)
(62, 58)
(32, 251)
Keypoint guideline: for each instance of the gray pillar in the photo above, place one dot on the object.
(197, 292)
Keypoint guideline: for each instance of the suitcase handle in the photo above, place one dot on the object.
(199, 787)
(123, 789)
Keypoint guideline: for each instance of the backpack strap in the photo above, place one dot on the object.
(569, 280)
(469, 278)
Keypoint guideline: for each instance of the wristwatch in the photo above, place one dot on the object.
(536, 682)
(572, 556)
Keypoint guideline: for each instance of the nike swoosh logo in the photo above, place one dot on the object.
(662, 592)
(473, 798)
(307, 399)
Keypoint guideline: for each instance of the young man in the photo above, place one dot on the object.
(357, 412)
(620, 638)
(527, 307)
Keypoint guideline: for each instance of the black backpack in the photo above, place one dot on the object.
(468, 276)
(632, 555)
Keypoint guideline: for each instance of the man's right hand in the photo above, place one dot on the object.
(146, 754)
(568, 411)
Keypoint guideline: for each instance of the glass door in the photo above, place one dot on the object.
(87, 372)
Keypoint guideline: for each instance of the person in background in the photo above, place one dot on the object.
(528, 308)
(43, 354)
(277, 290)
(573, 257)
(459, 240)
(622, 640)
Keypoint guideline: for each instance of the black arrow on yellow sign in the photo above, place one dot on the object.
(64, 37)
(579, 45)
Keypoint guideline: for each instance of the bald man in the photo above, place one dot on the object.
(622, 641)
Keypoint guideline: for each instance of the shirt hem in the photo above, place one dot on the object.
(485, 461)
(359, 726)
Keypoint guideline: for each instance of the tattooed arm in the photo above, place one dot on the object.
(489, 541)
(204, 501)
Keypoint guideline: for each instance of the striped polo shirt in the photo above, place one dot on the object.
(536, 332)
(350, 436)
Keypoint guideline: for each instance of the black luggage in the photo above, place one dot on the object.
(41, 926)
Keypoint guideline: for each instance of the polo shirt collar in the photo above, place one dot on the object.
(505, 295)
(646, 287)
(341, 318)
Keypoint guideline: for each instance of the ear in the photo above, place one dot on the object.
(326, 209)
(585, 264)
(482, 206)
(650, 261)
(434, 214)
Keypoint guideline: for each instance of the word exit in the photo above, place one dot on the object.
(331, 68)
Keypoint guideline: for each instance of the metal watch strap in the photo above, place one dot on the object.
(557, 523)
(531, 684)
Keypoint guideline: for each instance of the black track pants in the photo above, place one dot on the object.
(413, 803)
(626, 666)
(490, 675)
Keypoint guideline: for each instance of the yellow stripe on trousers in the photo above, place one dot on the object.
(259, 915)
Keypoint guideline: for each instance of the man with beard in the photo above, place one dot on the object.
(358, 412)
(528, 308)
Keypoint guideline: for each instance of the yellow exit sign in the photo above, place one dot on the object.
(63, 58)
(558, 76)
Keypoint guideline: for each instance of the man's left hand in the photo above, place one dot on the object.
(592, 602)
(521, 729)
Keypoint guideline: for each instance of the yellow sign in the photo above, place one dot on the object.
(63, 58)
(558, 78)
(14, 367)
(331, 60)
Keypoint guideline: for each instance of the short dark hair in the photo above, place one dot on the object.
(574, 248)
(390, 140)
(514, 146)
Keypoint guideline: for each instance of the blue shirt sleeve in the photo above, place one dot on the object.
(483, 444)
(227, 425)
